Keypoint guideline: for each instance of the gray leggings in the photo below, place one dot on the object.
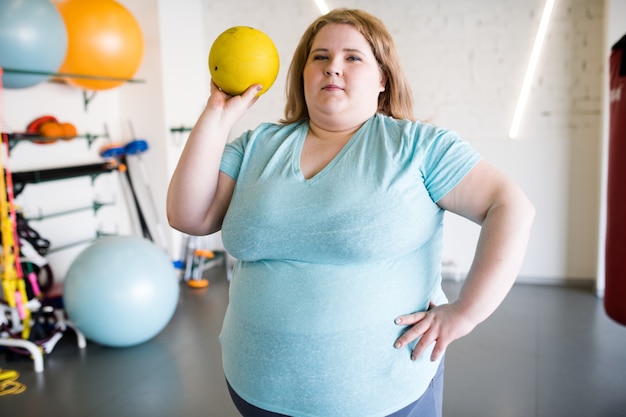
(428, 405)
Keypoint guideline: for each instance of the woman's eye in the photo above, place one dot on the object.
(354, 58)
(319, 57)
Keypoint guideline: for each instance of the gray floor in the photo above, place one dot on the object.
(547, 352)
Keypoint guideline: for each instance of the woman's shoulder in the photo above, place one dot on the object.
(266, 132)
(413, 133)
(412, 126)
(273, 128)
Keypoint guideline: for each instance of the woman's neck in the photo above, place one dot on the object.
(333, 133)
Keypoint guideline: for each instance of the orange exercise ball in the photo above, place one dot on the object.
(104, 40)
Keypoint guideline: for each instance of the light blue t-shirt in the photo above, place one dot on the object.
(326, 264)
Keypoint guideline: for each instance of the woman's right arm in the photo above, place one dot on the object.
(199, 194)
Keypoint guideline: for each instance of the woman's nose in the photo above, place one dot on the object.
(332, 69)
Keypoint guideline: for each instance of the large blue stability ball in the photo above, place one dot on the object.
(33, 37)
(121, 291)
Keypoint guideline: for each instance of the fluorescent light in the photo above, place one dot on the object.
(321, 4)
(530, 70)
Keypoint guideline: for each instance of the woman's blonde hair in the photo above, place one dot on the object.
(396, 101)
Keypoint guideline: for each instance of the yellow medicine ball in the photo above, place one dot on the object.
(242, 56)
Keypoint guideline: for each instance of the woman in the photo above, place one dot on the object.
(335, 218)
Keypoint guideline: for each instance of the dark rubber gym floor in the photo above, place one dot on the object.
(547, 352)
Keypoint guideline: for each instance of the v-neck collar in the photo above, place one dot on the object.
(304, 130)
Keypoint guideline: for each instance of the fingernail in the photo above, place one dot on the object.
(259, 87)
(398, 345)
(398, 320)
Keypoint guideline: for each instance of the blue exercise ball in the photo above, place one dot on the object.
(33, 37)
(121, 291)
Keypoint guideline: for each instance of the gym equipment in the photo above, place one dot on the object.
(15, 311)
(242, 56)
(121, 291)
(9, 384)
(117, 152)
(104, 41)
(130, 156)
(29, 323)
(13, 285)
(32, 249)
(20, 179)
(133, 151)
(32, 37)
(615, 259)
(49, 128)
(195, 260)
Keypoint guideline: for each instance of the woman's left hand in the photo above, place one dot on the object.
(441, 324)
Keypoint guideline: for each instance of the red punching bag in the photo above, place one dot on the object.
(615, 288)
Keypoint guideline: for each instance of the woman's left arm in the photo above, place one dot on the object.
(490, 199)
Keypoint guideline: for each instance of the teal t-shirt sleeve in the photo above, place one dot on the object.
(446, 162)
(233, 156)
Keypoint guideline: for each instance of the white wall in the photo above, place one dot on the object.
(465, 61)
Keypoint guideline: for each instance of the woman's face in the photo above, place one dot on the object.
(342, 79)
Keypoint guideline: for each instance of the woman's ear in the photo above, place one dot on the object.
(383, 81)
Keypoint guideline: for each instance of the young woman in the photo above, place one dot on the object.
(335, 218)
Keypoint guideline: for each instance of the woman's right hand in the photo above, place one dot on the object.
(231, 108)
